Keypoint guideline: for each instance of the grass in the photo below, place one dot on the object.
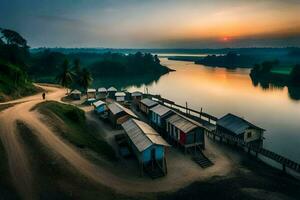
(77, 132)
(282, 70)
(54, 178)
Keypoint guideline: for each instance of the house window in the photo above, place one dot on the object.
(249, 134)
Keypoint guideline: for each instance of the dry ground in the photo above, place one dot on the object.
(122, 177)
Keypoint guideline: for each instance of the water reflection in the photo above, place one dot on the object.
(126, 82)
(220, 91)
(293, 92)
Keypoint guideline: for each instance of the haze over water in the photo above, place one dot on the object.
(220, 91)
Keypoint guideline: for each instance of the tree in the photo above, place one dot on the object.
(13, 38)
(85, 78)
(76, 67)
(65, 78)
(295, 75)
(156, 60)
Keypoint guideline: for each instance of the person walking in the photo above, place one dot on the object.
(44, 95)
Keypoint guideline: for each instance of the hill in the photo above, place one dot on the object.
(14, 81)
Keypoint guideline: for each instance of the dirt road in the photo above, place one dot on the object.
(20, 167)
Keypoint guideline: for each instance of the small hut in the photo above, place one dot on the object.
(118, 114)
(91, 93)
(75, 95)
(159, 114)
(99, 107)
(235, 126)
(111, 92)
(146, 104)
(185, 132)
(102, 92)
(148, 146)
(120, 96)
(136, 97)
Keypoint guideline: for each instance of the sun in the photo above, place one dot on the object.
(225, 39)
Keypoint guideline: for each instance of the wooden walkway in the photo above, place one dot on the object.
(209, 121)
(285, 162)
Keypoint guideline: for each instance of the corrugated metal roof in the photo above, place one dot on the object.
(160, 110)
(142, 135)
(112, 89)
(148, 102)
(116, 108)
(120, 94)
(181, 123)
(91, 90)
(235, 124)
(98, 103)
(75, 92)
(134, 94)
(102, 89)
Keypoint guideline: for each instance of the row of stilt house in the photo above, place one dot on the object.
(150, 141)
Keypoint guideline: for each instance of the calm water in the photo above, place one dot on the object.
(220, 91)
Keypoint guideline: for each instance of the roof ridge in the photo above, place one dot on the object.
(135, 121)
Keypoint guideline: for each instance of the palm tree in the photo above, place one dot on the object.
(76, 70)
(76, 66)
(65, 78)
(85, 78)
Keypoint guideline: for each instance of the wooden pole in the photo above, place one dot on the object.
(186, 107)
(200, 113)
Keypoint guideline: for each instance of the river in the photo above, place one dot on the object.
(220, 91)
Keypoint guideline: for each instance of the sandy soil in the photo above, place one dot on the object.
(122, 178)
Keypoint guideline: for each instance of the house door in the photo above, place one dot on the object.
(153, 154)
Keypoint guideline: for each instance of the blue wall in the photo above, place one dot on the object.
(159, 153)
(156, 119)
(100, 109)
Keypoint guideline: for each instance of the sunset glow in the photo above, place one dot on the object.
(155, 23)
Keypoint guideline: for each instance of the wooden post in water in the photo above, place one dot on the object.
(186, 107)
(200, 113)
(283, 167)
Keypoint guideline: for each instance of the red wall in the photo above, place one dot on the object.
(182, 137)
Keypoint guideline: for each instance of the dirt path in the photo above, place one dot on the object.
(18, 163)
(20, 168)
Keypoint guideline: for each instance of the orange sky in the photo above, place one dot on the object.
(155, 23)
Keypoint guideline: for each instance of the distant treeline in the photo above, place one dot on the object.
(243, 58)
(230, 60)
(244, 51)
(273, 72)
(47, 63)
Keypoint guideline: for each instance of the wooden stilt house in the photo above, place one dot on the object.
(148, 146)
(233, 126)
(185, 132)
(158, 116)
(146, 104)
(118, 114)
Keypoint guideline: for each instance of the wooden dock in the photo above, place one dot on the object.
(285, 162)
(209, 121)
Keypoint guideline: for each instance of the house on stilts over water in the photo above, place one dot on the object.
(233, 126)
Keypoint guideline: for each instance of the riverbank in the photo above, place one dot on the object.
(233, 170)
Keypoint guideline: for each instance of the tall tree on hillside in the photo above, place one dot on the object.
(76, 70)
(76, 66)
(65, 78)
(85, 78)
(13, 38)
(13, 47)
